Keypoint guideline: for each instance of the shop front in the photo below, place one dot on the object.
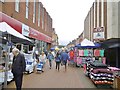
(42, 41)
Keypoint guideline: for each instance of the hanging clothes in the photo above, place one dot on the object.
(102, 53)
(81, 52)
(85, 52)
(96, 52)
(90, 52)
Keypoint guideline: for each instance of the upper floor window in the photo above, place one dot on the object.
(17, 2)
(27, 8)
(42, 18)
(34, 11)
(39, 15)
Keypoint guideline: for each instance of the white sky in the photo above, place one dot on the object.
(68, 17)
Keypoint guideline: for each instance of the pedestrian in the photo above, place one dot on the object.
(58, 60)
(43, 59)
(71, 54)
(64, 58)
(37, 56)
(50, 58)
(18, 67)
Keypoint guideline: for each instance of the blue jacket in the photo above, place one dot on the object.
(50, 56)
(64, 56)
(58, 59)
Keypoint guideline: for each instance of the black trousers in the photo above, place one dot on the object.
(58, 65)
(18, 80)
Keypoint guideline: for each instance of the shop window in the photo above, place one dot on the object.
(17, 2)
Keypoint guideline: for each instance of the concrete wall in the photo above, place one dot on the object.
(119, 19)
(112, 19)
(87, 26)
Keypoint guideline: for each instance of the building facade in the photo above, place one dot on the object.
(102, 21)
(29, 18)
(102, 24)
(54, 38)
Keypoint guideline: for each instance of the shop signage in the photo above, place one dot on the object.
(98, 33)
(39, 36)
(25, 30)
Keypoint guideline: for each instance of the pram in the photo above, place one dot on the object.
(39, 67)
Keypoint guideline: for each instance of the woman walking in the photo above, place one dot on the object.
(58, 60)
(43, 59)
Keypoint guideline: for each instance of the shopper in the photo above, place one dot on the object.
(58, 60)
(43, 59)
(71, 54)
(64, 58)
(18, 67)
(50, 57)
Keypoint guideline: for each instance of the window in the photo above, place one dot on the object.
(27, 8)
(39, 15)
(42, 18)
(34, 13)
(17, 5)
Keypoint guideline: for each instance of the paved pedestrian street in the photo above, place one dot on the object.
(51, 78)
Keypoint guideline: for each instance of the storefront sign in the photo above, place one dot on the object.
(39, 36)
(98, 33)
(25, 30)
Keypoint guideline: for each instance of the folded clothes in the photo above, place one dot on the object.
(102, 70)
(102, 82)
(102, 75)
(98, 64)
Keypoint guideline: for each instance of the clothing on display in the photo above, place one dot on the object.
(90, 52)
(85, 52)
(96, 52)
(99, 73)
(102, 53)
(81, 52)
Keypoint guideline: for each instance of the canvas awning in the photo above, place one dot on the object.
(111, 43)
(16, 36)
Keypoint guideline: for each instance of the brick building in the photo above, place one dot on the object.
(54, 38)
(31, 16)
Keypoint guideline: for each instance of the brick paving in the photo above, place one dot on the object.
(51, 78)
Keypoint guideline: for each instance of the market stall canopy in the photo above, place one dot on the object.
(111, 43)
(16, 36)
(88, 44)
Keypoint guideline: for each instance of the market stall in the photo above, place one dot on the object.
(88, 51)
(11, 37)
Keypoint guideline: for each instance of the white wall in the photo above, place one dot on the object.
(112, 20)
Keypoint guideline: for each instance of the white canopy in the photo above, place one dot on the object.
(4, 27)
(86, 42)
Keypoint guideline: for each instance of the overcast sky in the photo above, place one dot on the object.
(68, 17)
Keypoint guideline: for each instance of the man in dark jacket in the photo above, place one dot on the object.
(18, 67)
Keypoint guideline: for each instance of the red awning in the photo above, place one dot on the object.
(17, 25)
